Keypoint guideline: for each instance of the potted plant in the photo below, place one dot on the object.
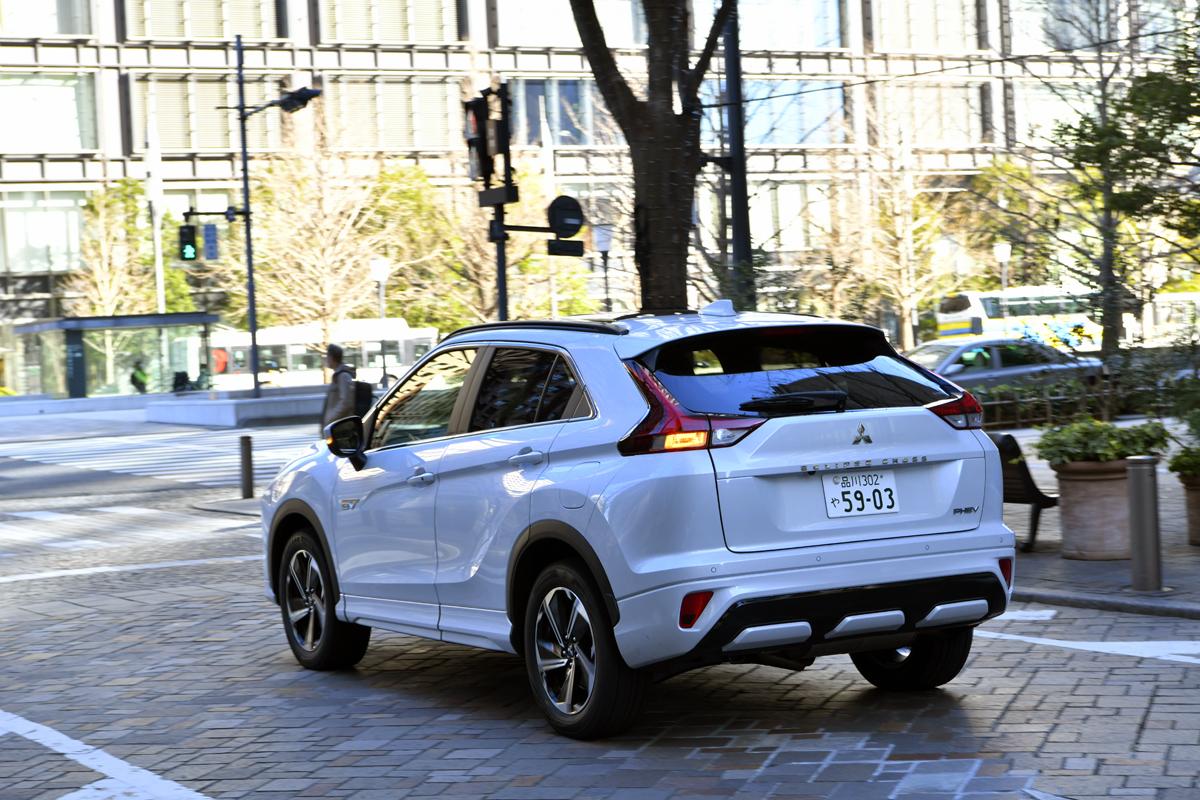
(1186, 464)
(1089, 458)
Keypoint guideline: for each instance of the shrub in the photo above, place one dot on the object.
(1092, 440)
(1186, 463)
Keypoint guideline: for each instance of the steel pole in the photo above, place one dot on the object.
(607, 296)
(251, 306)
(498, 236)
(382, 344)
(1144, 552)
(247, 459)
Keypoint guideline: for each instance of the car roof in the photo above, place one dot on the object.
(635, 334)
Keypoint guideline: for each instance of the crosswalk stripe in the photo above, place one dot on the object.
(113, 526)
(207, 458)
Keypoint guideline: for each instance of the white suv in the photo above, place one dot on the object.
(619, 501)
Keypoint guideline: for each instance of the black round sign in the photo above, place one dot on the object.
(565, 216)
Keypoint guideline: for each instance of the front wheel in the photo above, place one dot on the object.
(319, 640)
(930, 661)
(578, 677)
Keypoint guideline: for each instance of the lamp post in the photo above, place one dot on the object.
(602, 238)
(290, 102)
(1002, 252)
(381, 268)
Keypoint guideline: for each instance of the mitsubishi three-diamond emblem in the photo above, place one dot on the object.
(863, 437)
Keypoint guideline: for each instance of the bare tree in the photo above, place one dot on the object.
(663, 133)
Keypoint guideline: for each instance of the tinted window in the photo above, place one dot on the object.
(931, 356)
(556, 398)
(1019, 354)
(422, 406)
(975, 359)
(771, 362)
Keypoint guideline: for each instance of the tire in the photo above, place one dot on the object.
(307, 605)
(607, 704)
(932, 660)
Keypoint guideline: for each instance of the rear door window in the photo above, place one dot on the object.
(795, 370)
(521, 387)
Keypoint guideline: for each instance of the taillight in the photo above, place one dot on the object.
(668, 427)
(960, 412)
(692, 607)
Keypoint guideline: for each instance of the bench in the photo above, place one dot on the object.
(1019, 486)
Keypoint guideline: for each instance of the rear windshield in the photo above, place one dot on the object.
(721, 373)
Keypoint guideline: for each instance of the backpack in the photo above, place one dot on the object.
(364, 397)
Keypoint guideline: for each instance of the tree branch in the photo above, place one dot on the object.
(613, 87)
(689, 90)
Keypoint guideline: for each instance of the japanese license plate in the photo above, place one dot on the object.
(856, 494)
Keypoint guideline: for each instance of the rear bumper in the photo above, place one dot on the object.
(814, 611)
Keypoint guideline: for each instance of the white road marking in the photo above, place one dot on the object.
(125, 780)
(115, 526)
(67, 573)
(1163, 651)
(1030, 615)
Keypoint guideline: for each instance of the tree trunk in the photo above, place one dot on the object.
(664, 185)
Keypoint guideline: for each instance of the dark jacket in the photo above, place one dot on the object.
(339, 402)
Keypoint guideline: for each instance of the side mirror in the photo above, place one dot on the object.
(345, 439)
(953, 369)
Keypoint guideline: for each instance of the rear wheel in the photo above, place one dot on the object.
(319, 640)
(930, 661)
(576, 673)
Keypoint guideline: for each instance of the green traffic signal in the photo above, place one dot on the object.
(187, 243)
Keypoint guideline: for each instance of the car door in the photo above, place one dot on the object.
(1023, 362)
(385, 512)
(486, 477)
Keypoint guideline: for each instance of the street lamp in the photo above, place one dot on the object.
(290, 102)
(380, 269)
(602, 239)
(1002, 252)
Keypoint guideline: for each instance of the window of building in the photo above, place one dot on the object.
(781, 113)
(571, 108)
(388, 113)
(936, 114)
(201, 19)
(553, 24)
(928, 26)
(1042, 105)
(1042, 25)
(30, 18)
(40, 231)
(390, 21)
(189, 117)
(64, 107)
(1159, 24)
(780, 24)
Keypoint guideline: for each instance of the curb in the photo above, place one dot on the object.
(1129, 605)
(250, 508)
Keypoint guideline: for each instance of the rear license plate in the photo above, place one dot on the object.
(856, 494)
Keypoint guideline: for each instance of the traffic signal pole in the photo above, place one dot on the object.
(251, 306)
(742, 257)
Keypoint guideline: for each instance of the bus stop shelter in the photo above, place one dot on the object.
(87, 356)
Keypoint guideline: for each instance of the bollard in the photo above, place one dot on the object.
(247, 469)
(1144, 553)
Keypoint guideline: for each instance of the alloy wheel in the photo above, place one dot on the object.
(304, 597)
(565, 650)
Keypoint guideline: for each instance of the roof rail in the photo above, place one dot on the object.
(580, 325)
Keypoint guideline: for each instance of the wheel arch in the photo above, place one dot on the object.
(291, 516)
(538, 546)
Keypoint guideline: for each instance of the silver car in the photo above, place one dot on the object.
(980, 362)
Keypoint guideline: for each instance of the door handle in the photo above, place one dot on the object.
(527, 455)
(421, 479)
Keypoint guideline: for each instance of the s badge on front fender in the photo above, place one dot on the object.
(349, 504)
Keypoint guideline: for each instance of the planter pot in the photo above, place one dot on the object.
(1191, 491)
(1094, 509)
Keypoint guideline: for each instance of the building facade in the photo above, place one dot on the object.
(79, 80)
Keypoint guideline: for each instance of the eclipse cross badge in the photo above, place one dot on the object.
(863, 437)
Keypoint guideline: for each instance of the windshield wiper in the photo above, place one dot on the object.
(816, 400)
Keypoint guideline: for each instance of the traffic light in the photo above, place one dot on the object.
(187, 243)
(479, 153)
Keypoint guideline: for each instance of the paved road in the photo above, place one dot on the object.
(141, 661)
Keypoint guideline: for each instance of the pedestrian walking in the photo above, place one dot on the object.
(138, 377)
(339, 402)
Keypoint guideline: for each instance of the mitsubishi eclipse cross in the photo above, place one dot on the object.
(617, 501)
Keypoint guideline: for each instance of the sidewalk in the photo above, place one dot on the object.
(1044, 576)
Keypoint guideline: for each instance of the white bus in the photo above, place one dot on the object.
(291, 355)
(1049, 314)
